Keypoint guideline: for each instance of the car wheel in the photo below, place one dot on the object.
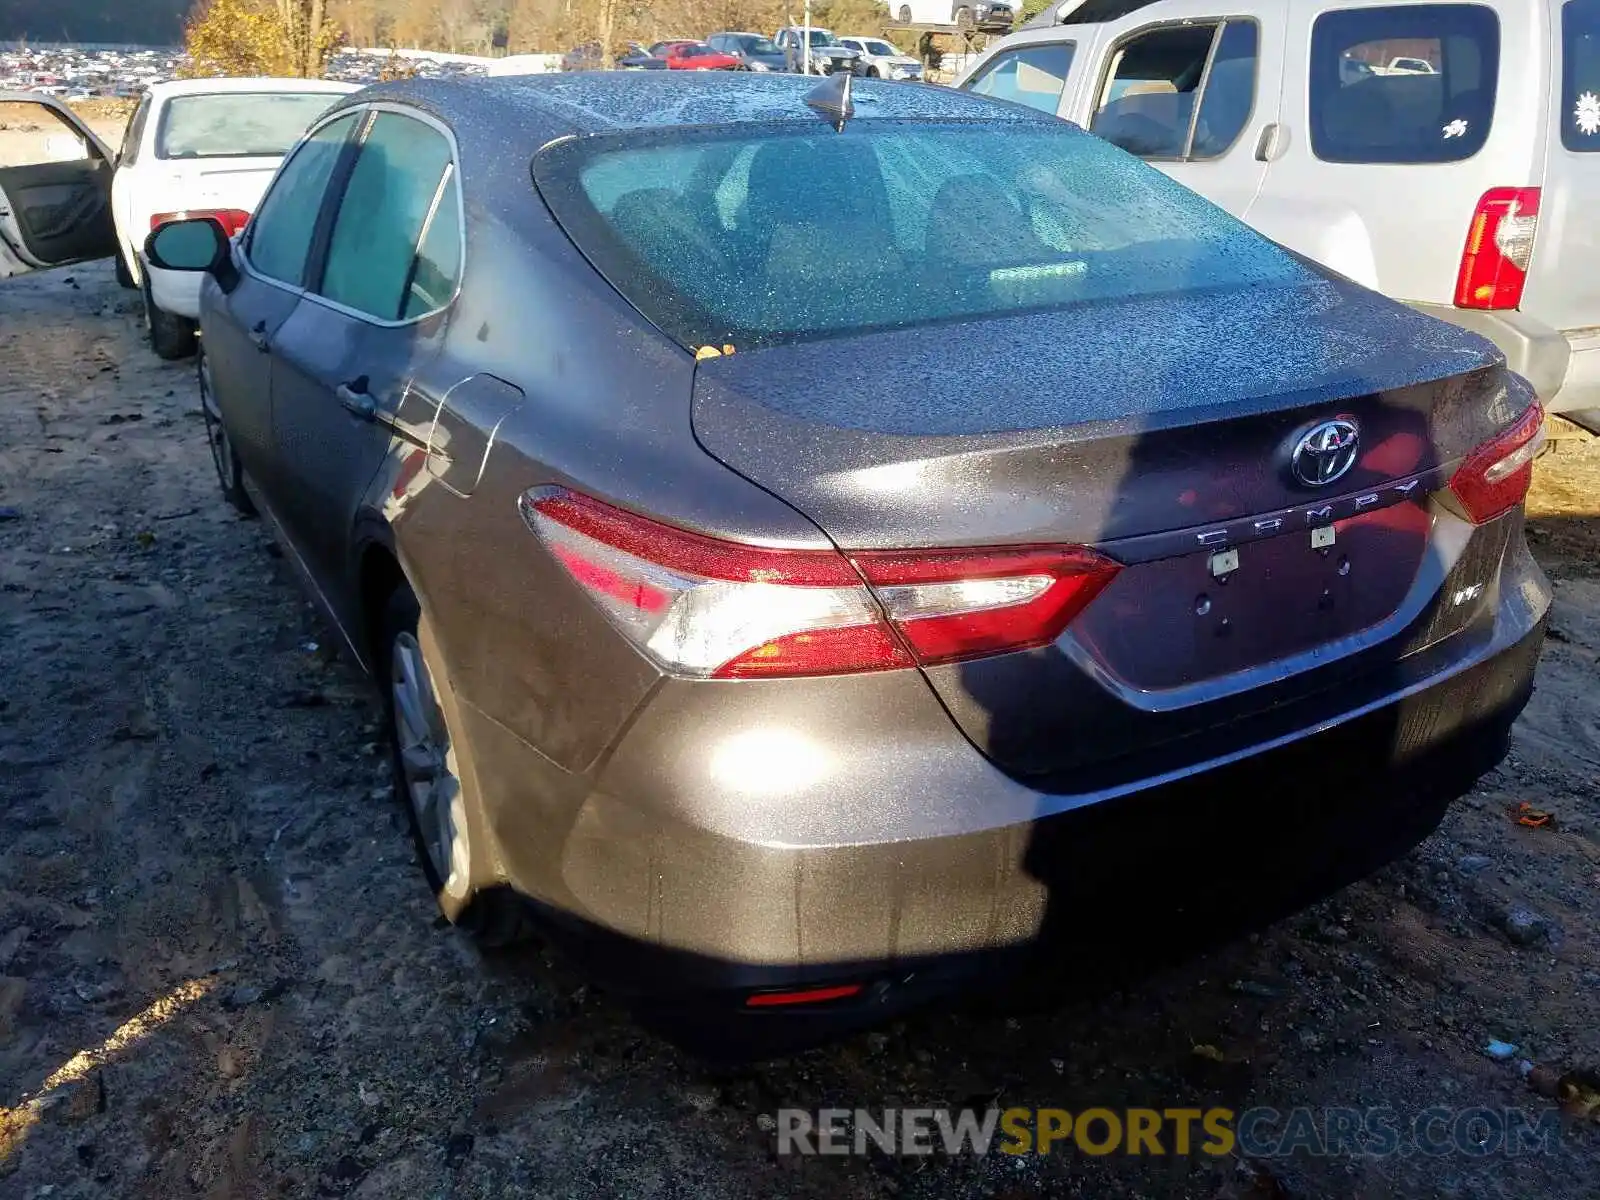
(124, 271)
(905, 14)
(874, 73)
(430, 782)
(172, 337)
(230, 474)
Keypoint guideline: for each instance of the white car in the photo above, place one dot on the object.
(1467, 189)
(882, 60)
(201, 147)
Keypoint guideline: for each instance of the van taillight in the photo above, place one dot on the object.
(1494, 265)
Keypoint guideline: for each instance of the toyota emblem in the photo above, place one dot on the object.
(1325, 452)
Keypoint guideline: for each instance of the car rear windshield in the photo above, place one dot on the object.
(238, 124)
(783, 232)
(1412, 83)
(1580, 76)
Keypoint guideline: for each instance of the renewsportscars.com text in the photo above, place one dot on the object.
(1255, 1132)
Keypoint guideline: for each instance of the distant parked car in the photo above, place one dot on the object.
(651, 58)
(760, 53)
(996, 17)
(827, 54)
(1410, 66)
(697, 56)
(783, 688)
(879, 59)
(587, 56)
(199, 147)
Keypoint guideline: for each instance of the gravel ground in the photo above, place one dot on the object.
(221, 974)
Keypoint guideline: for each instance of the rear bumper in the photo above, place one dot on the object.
(1564, 368)
(727, 845)
(176, 292)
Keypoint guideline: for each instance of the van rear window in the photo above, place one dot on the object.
(1410, 83)
(1580, 76)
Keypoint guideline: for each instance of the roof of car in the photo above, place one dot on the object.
(259, 83)
(605, 101)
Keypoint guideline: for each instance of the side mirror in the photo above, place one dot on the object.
(198, 244)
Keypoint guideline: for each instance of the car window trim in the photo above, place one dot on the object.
(245, 245)
(1222, 23)
(330, 215)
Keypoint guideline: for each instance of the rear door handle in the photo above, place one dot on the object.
(258, 337)
(356, 399)
(359, 400)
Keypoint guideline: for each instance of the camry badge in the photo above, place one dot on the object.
(1325, 452)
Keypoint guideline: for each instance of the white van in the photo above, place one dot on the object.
(987, 15)
(1445, 154)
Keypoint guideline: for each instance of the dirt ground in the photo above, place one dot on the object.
(221, 974)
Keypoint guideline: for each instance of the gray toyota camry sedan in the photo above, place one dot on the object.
(819, 546)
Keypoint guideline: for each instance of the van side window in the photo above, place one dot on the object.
(1580, 76)
(1411, 83)
(1230, 91)
(1180, 92)
(1032, 75)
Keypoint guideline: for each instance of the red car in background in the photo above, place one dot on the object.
(697, 56)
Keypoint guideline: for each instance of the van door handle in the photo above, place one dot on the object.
(258, 337)
(1274, 140)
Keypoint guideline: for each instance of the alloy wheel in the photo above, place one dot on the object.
(428, 766)
(216, 434)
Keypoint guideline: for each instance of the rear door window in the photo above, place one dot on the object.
(1411, 83)
(1147, 102)
(398, 188)
(1032, 75)
(1580, 76)
(1180, 92)
(281, 231)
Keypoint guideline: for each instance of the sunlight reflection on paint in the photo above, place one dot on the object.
(768, 762)
(16, 1122)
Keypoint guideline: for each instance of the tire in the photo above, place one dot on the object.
(874, 73)
(125, 272)
(430, 782)
(172, 337)
(230, 473)
(905, 14)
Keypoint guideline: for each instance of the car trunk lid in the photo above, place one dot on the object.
(1158, 430)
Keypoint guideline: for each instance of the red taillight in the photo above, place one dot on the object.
(808, 996)
(232, 220)
(708, 608)
(1495, 477)
(1494, 265)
